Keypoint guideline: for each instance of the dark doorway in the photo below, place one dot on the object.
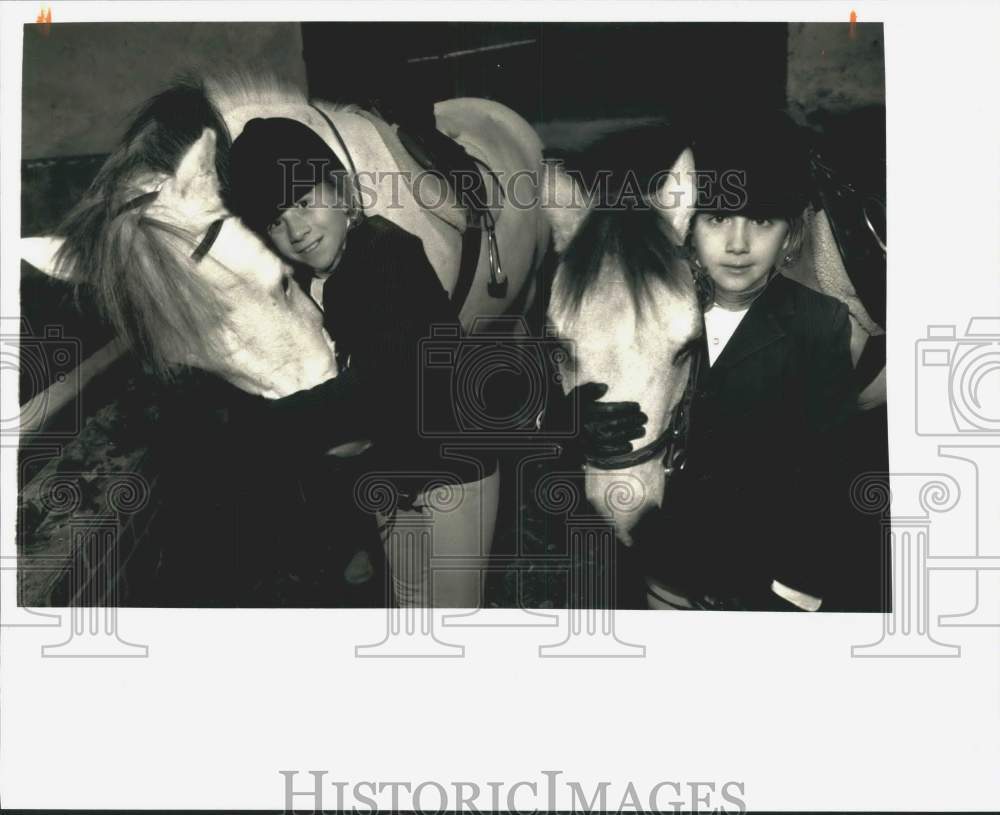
(549, 71)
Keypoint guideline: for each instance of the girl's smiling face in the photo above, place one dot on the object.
(312, 232)
(739, 252)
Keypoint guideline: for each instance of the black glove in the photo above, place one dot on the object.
(607, 428)
(597, 428)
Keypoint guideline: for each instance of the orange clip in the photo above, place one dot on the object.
(44, 20)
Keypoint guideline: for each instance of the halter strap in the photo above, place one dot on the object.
(203, 247)
(672, 440)
(135, 203)
(632, 459)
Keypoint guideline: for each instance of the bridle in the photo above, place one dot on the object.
(204, 245)
(672, 442)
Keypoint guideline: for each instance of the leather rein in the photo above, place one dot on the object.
(203, 247)
(672, 442)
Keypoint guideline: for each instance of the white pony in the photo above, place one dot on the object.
(183, 283)
(625, 300)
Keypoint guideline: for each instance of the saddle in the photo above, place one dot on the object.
(438, 153)
(441, 154)
(467, 205)
(857, 221)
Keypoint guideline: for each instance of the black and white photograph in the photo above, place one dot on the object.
(447, 331)
(357, 337)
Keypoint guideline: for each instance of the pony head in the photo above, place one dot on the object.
(181, 281)
(624, 300)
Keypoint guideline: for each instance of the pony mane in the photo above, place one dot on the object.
(638, 240)
(237, 88)
(145, 285)
(240, 95)
(623, 227)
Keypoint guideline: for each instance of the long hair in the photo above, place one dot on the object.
(638, 240)
(144, 282)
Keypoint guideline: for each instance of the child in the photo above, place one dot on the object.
(750, 522)
(380, 296)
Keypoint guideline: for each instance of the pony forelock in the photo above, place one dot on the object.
(640, 244)
(145, 284)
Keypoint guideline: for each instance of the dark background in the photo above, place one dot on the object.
(551, 71)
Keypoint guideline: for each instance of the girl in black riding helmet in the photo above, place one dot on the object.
(752, 520)
(380, 297)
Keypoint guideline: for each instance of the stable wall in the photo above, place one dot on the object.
(82, 81)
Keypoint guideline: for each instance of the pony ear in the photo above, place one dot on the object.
(564, 204)
(197, 165)
(676, 195)
(190, 197)
(41, 253)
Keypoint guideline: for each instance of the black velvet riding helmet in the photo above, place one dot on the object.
(756, 166)
(273, 163)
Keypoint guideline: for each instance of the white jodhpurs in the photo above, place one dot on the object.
(659, 596)
(438, 552)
